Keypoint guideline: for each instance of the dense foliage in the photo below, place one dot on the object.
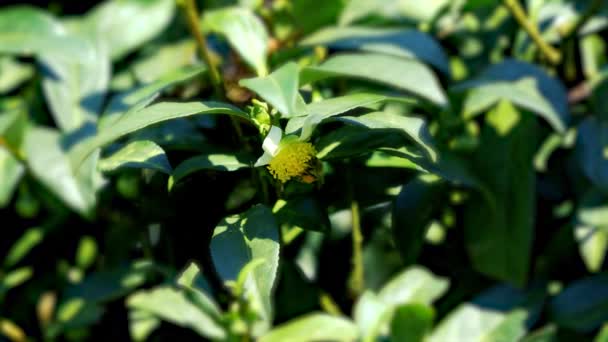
(363, 170)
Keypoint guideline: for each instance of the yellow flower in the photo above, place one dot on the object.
(287, 157)
(293, 160)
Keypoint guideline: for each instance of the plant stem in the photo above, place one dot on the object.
(192, 16)
(552, 54)
(358, 282)
(328, 304)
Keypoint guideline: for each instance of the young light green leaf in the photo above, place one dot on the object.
(414, 285)
(280, 89)
(245, 32)
(403, 73)
(314, 327)
(141, 154)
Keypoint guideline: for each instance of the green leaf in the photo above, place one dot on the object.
(50, 164)
(592, 139)
(138, 119)
(173, 306)
(395, 42)
(415, 128)
(30, 239)
(141, 154)
(27, 30)
(13, 73)
(414, 285)
(280, 89)
(245, 32)
(217, 162)
(412, 213)
(497, 314)
(478, 324)
(412, 322)
(142, 324)
(110, 284)
(397, 10)
(198, 291)
(524, 85)
(371, 314)
(75, 88)
(11, 171)
(238, 240)
(544, 334)
(583, 305)
(142, 96)
(325, 109)
(314, 327)
(499, 232)
(304, 212)
(403, 73)
(602, 336)
(124, 25)
(165, 60)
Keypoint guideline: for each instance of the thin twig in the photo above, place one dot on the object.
(192, 16)
(552, 54)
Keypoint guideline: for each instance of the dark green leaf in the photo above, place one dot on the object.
(411, 323)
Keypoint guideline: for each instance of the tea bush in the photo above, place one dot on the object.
(338, 170)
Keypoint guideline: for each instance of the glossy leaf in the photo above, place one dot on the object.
(124, 25)
(396, 42)
(314, 327)
(245, 32)
(237, 241)
(414, 128)
(405, 74)
(141, 154)
(280, 89)
(50, 164)
(173, 306)
(138, 119)
(75, 88)
(303, 212)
